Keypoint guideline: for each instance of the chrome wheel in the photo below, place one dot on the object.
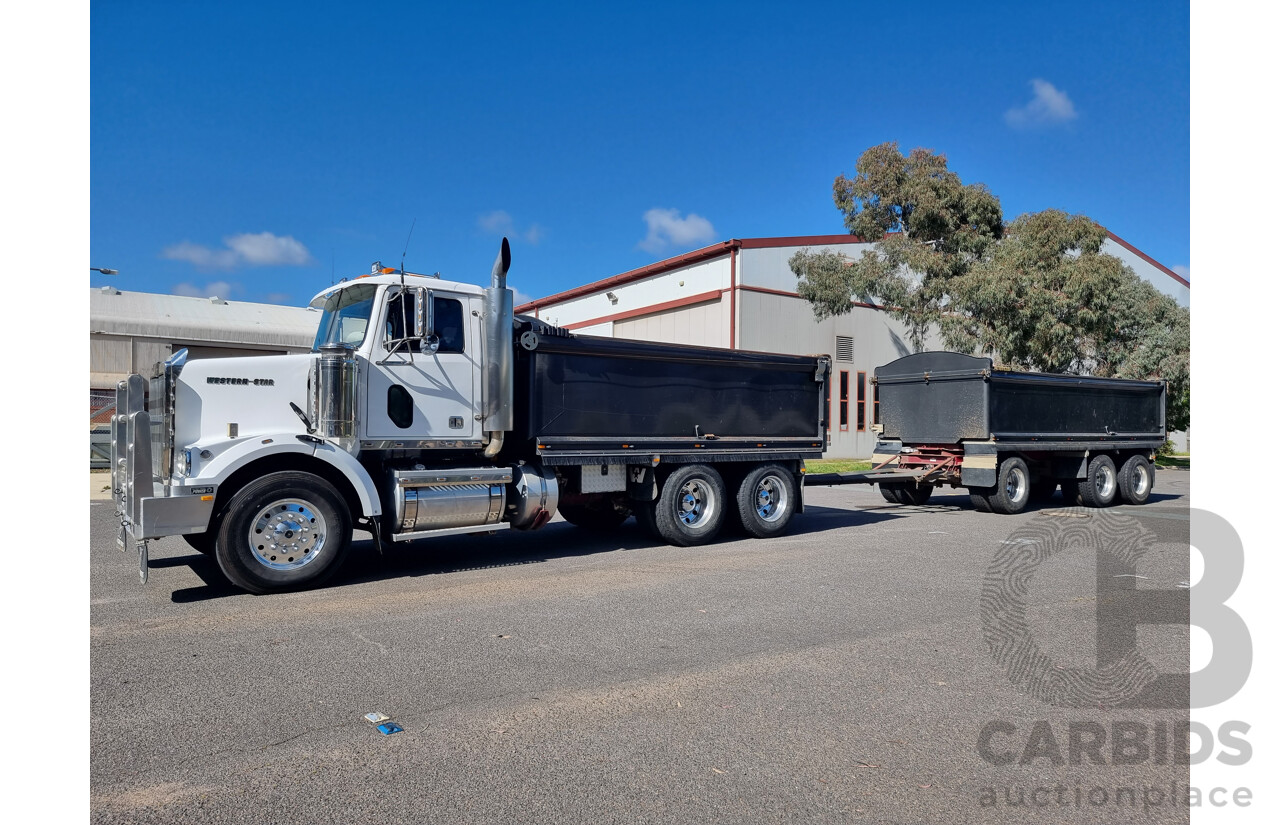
(1105, 482)
(771, 499)
(1016, 485)
(697, 503)
(287, 534)
(1141, 481)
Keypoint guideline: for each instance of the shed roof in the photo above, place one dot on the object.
(176, 317)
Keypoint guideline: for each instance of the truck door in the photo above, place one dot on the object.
(413, 395)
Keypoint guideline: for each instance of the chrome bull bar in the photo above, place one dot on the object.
(131, 479)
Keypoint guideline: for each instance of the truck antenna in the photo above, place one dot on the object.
(406, 246)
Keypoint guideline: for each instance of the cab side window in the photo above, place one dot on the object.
(448, 317)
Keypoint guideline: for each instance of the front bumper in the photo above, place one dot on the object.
(146, 508)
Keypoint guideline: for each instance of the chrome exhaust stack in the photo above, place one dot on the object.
(499, 372)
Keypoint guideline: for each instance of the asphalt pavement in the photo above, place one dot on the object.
(843, 673)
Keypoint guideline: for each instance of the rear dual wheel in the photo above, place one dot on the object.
(693, 504)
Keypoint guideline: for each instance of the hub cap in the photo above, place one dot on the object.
(771, 499)
(1105, 483)
(1015, 486)
(287, 534)
(697, 503)
(1141, 481)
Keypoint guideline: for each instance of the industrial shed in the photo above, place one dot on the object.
(131, 331)
(741, 294)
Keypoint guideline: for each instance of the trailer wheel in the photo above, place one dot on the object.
(598, 516)
(1100, 483)
(766, 501)
(204, 542)
(980, 498)
(1136, 479)
(916, 494)
(1013, 487)
(691, 506)
(284, 530)
(890, 493)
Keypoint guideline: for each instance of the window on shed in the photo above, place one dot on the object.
(862, 401)
(844, 399)
(844, 348)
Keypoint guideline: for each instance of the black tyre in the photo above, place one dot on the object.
(1042, 490)
(916, 494)
(284, 530)
(646, 518)
(767, 499)
(980, 498)
(1013, 487)
(1136, 480)
(204, 542)
(691, 506)
(599, 516)
(1100, 484)
(890, 493)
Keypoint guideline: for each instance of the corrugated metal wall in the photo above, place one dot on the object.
(698, 324)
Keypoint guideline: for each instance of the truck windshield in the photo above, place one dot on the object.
(346, 316)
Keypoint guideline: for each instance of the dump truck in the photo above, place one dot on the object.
(1010, 438)
(427, 409)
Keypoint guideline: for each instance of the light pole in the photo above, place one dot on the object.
(104, 270)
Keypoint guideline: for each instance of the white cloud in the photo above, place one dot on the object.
(219, 289)
(278, 298)
(667, 228)
(497, 222)
(1048, 105)
(520, 297)
(261, 249)
(500, 222)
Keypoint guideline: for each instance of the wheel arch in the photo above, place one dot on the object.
(361, 499)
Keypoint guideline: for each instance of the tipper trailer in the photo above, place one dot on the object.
(426, 408)
(1011, 437)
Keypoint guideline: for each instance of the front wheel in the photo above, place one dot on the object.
(691, 507)
(284, 530)
(767, 500)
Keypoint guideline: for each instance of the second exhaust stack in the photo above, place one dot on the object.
(499, 376)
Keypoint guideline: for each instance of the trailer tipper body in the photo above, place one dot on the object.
(426, 408)
(1013, 437)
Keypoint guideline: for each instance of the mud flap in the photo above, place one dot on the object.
(143, 561)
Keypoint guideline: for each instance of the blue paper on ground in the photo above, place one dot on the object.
(388, 728)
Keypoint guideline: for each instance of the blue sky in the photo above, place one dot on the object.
(258, 151)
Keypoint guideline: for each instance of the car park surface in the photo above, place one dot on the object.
(838, 673)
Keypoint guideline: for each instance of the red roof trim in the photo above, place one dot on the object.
(696, 256)
(798, 240)
(1144, 256)
(700, 298)
(764, 290)
(716, 250)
